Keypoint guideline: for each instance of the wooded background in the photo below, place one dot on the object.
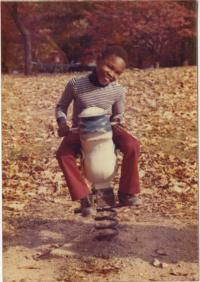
(155, 33)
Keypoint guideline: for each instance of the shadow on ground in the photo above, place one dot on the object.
(135, 240)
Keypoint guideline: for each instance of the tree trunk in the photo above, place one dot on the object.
(4, 53)
(156, 59)
(184, 53)
(156, 63)
(139, 60)
(27, 40)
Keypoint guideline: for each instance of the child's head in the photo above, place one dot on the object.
(111, 64)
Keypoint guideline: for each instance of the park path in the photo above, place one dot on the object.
(45, 241)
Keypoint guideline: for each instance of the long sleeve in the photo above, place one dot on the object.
(64, 102)
(118, 109)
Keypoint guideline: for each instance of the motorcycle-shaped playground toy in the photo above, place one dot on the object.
(99, 164)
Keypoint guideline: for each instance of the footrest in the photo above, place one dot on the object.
(104, 197)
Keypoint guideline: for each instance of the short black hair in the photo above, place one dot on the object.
(115, 50)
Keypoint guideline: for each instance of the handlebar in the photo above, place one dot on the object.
(76, 129)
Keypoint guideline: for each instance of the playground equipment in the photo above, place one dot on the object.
(99, 162)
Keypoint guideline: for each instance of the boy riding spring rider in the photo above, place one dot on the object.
(98, 89)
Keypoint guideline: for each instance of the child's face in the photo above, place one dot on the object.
(109, 69)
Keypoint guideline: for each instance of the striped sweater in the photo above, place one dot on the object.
(85, 92)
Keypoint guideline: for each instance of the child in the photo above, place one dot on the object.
(99, 89)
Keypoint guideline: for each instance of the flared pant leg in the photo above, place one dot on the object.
(66, 156)
(130, 147)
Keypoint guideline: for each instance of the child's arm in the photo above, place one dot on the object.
(118, 110)
(64, 102)
(62, 107)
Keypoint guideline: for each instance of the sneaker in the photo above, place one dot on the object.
(129, 200)
(87, 208)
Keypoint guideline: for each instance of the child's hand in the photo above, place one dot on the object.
(122, 124)
(119, 123)
(63, 129)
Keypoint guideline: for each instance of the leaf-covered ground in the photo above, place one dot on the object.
(45, 241)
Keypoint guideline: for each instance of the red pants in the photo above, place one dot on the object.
(126, 143)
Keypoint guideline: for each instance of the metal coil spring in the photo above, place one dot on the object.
(107, 223)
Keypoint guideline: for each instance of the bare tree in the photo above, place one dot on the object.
(26, 38)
